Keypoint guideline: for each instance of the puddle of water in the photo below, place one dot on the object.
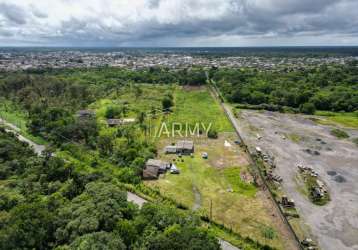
(340, 179)
(332, 173)
(311, 152)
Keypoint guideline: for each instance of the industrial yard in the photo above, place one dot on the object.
(296, 140)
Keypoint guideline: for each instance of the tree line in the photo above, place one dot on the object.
(329, 87)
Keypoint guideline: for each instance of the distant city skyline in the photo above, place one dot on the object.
(178, 23)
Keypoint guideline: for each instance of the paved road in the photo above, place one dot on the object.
(12, 128)
(226, 245)
(135, 199)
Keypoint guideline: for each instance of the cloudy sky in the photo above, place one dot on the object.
(178, 22)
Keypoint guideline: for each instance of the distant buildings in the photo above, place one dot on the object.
(24, 60)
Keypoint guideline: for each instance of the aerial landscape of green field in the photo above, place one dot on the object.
(117, 127)
(178, 125)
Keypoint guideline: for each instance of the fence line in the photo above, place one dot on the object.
(257, 169)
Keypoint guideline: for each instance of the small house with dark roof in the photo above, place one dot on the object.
(181, 147)
(153, 168)
(185, 147)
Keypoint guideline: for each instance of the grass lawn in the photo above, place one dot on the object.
(191, 106)
(196, 105)
(223, 182)
(349, 120)
(145, 99)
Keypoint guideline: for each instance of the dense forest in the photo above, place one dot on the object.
(45, 204)
(331, 88)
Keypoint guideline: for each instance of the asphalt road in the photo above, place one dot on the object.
(136, 199)
(38, 149)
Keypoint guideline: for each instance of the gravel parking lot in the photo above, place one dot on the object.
(294, 139)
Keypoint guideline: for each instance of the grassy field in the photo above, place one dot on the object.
(187, 112)
(196, 105)
(147, 98)
(349, 120)
(222, 183)
(221, 186)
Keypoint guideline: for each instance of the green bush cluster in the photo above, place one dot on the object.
(339, 133)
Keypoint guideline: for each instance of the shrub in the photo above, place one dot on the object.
(167, 103)
(213, 134)
(339, 133)
(112, 112)
(355, 140)
(308, 108)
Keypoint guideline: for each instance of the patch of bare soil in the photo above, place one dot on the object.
(334, 225)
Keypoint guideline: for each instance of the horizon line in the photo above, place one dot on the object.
(163, 47)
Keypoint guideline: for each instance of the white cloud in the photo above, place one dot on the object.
(176, 22)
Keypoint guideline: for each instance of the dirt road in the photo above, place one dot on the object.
(12, 128)
(293, 139)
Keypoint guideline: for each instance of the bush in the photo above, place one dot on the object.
(112, 112)
(339, 133)
(167, 103)
(355, 140)
(213, 134)
(308, 108)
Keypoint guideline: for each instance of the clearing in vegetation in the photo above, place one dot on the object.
(220, 187)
